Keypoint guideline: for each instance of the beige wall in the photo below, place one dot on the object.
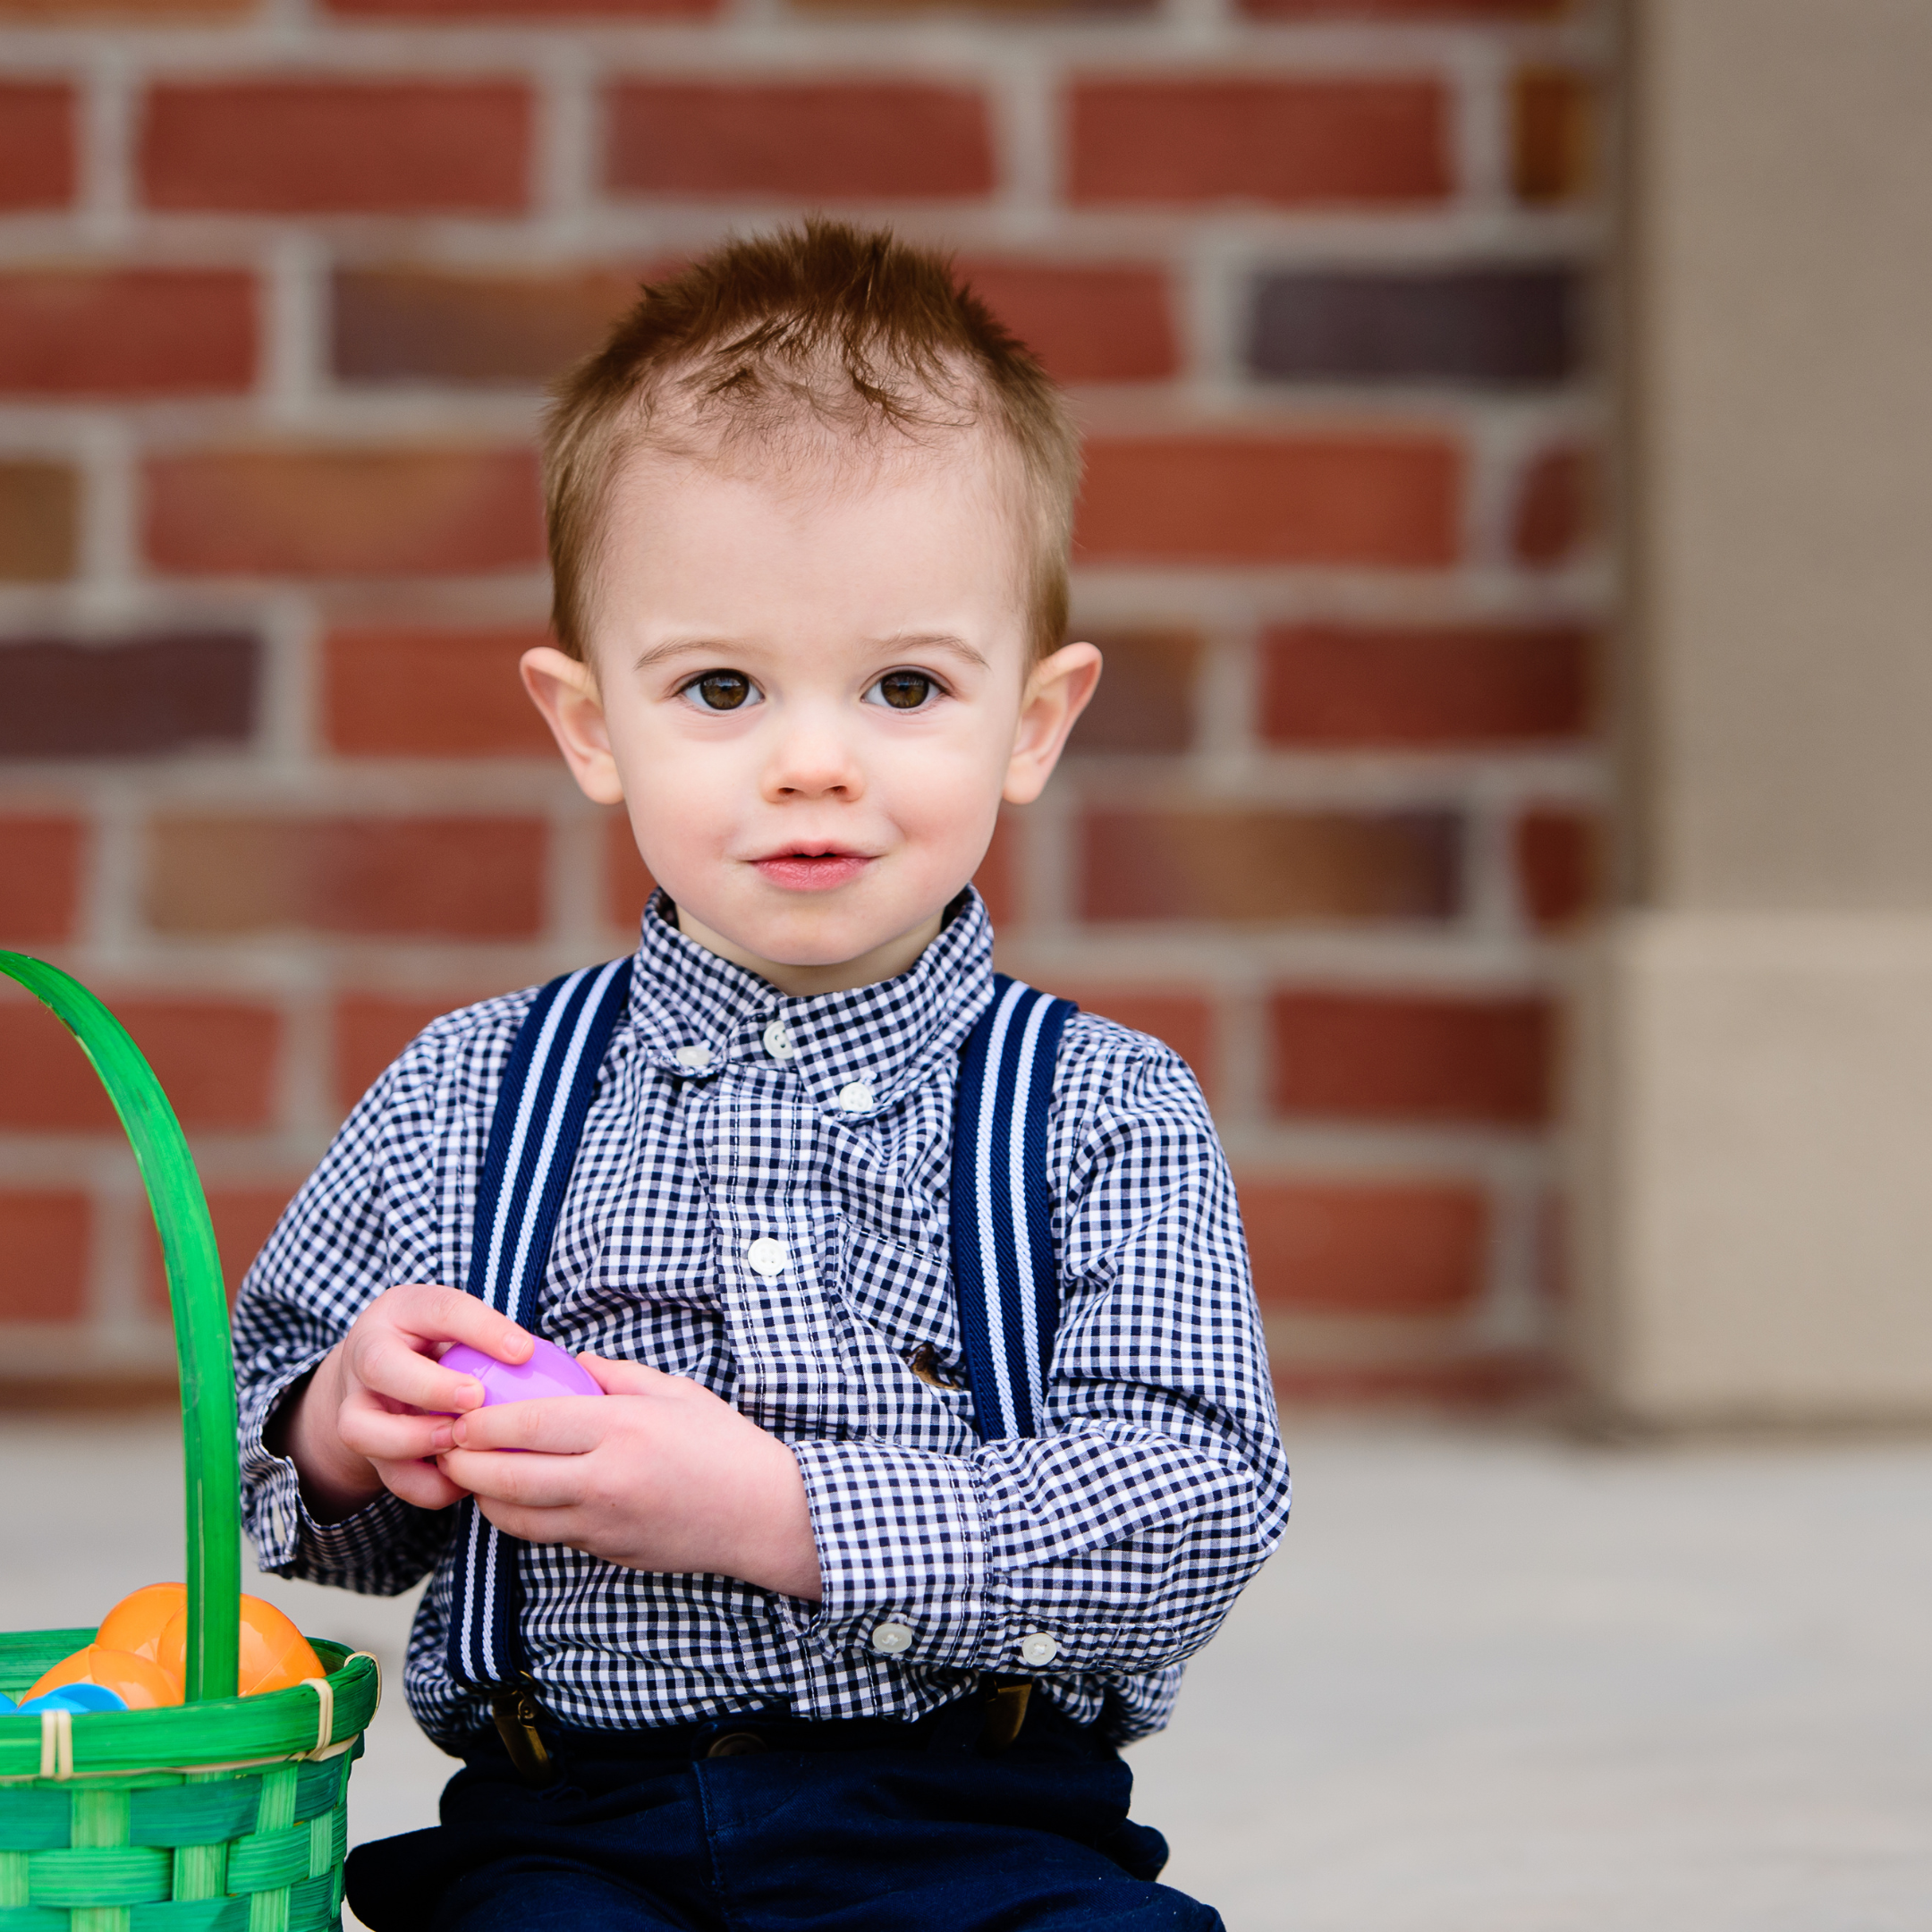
(1781, 308)
(1755, 1081)
(1760, 1117)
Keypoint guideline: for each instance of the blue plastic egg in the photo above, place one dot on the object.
(76, 1697)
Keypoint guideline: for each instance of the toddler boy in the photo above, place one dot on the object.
(780, 1609)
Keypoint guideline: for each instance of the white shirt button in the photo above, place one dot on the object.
(855, 1099)
(1036, 1647)
(890, 1639)
(778, 1040)
(695, 1057)
(766, 1257)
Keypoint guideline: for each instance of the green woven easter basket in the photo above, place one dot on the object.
(224, 1814)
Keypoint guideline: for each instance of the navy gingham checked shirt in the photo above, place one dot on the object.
(728, 1113)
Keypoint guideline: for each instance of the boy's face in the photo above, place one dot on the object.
(811, 695)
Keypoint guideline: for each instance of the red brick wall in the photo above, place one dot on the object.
(279, 282)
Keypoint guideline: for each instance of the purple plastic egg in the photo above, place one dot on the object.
(549, 1371)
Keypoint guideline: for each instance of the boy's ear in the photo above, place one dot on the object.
(1055, 695)
(563, 690)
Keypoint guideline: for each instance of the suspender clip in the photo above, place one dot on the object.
(516, 1710)
(1007, 1699)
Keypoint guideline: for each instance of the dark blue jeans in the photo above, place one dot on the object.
(869, 1827)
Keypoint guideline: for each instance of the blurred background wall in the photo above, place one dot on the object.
(1755, 1079)
(280, 283)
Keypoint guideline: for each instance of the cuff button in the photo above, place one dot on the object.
(890, 1639)
(1036, 1647)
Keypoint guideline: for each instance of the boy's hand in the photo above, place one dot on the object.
(360, 1427)
(659, 1475)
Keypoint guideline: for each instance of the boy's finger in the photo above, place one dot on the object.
(387, 1364)
(536, 1482)
(534, 1525)
(384, 1436)
(557, 1425)
(433, 1313)
(622, 1377)
(421, 1483)
(464, 1319)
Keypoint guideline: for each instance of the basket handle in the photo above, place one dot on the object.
(211, 1463)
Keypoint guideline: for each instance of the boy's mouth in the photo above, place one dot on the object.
(811, 871)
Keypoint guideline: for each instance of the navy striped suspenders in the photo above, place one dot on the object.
(1003, 1256)
(534, 1131)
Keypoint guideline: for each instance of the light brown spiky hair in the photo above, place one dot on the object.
(818, 343)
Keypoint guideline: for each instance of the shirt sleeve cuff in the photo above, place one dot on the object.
(902, 1556)
(379, 1550)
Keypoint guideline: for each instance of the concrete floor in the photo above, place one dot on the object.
(1493, 1682)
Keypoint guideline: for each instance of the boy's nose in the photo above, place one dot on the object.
(812, 762)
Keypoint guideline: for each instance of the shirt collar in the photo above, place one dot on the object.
(856, 1051)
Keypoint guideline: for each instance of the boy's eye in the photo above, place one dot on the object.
(905, 690)
(721, 690)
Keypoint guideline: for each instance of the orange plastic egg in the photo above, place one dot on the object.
(69, 1670)
(273, 1655)
(136, 1623)
(140, 1682)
